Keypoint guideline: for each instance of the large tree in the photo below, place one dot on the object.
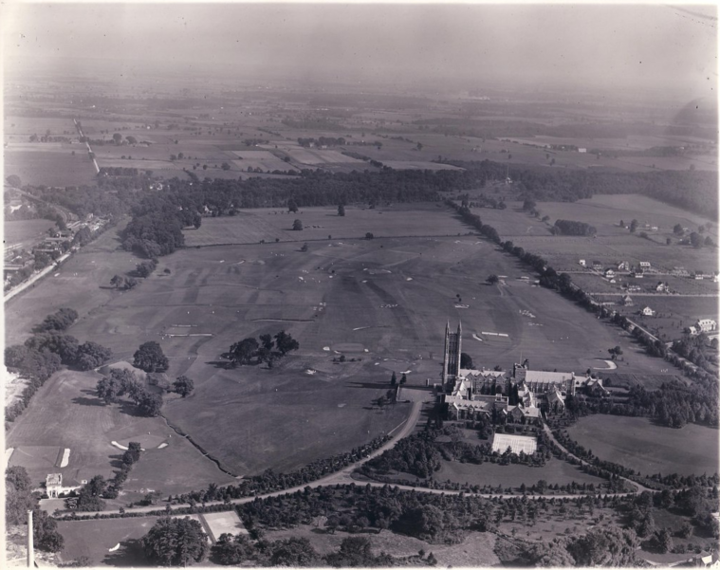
(150, 358)
(285, 343)
(183, 386)
(90, 496)
(175, 542)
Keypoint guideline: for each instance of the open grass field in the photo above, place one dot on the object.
(384, 301)
(251, 226)
(554, 471)
(20, 231)
(475, 550)
(68, 401)
(647, 448)
(50, 165)
(94, 540)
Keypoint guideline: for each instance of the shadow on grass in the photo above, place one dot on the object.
(130, 554)
(370, 385)
(221, 364)
(87, 401)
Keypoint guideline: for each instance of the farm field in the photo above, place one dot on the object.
(22, 230)
(647, 448)
(554, 471)
(55, 167)
(605, 211)
(382, 301)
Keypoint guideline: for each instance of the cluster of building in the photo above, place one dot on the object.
(702, 326)
(506, 397)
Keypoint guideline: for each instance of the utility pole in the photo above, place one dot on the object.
(30, 546)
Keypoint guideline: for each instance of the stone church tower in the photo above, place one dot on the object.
(451, 360)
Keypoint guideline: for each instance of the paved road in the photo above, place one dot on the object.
(344, 477)
(53, 267)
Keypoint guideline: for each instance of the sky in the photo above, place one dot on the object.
(639, 47)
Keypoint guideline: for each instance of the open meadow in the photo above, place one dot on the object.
(17, 232)
(648, 448)
(382, 302)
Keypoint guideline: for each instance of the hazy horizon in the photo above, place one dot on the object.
(649, 49)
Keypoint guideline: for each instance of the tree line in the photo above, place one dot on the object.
(45, 352)
(705, 385)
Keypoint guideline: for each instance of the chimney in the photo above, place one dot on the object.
(30, 547)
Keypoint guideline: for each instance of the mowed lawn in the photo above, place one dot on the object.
(553, 472)
(67, 414)
(94, 539)
(639, 444)
(381, 302)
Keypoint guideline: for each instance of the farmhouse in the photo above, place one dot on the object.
(623, 266)
(645, 265)
(609, 273)
(648, 312)
(693, 330)
(662, 287)
(627, 301)
(707, 325)
(597, 265)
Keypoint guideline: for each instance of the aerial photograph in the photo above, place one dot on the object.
(342, 284)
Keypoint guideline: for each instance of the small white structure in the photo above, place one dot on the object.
(693, 330)
(582, 150)
(609, 273)
(583, 263)
(645, 265)
(623, 266)
(517, 443)
(648, 312)
(627, 301)
(707, 325)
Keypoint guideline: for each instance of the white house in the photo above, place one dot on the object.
(706, 325)
(648, 312)
(609, 273)
(645, 265)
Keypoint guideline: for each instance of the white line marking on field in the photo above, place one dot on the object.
(476, 337)
(163, 445)
(360, 328)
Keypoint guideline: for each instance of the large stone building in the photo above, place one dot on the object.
(516, 396)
